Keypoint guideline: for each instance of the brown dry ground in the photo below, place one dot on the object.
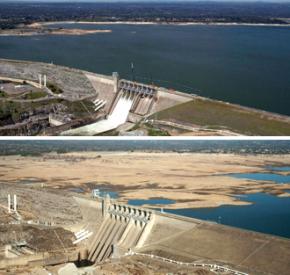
(38, 238)
(193, 180)
(133, 265)
(140, 265)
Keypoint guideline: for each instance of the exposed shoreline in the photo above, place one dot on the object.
(43, 31)
(192, 180)
(160, 23)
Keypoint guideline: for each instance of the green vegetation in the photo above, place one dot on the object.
(3, 94)
(30, 154)
(109, 133)
(10, 109)
(136, 126)
(218, 115)
(34, 95)
(61, 151)
(54, 88)
(157, 132)
(13, 110)
(80, 108)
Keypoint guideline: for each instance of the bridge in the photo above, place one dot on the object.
(136, 88)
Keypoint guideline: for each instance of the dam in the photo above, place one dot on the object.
(129, 230)
(130, 97)
(78, 102)
(123, 228)
(116, 118)
(109, 231)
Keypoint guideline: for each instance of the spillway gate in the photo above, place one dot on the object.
(123, 226)
(142, 96)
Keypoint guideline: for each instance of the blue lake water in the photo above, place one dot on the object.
(154, 201)
(263, 177)
(240, 64)
(277, 168)
(269, 214)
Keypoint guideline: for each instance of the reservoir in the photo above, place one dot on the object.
(267, 213)
(247, 65)
(263, 177)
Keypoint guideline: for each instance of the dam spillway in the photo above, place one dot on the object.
(115, 119)
(123, 227)
(130, 97)
(128, 230)
(127, 233)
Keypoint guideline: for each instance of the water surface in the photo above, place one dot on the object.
(279, 168)
(152, 201)
(240, 64)
(268, 214)
(263, 177)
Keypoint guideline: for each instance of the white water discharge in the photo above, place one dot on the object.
(117, 118)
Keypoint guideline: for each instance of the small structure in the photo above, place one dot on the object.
(9, 203)
(143, 96)
(105, 205)
(12, 206)
(59, 119)
(42, 80)
(99, 104)
(96, 193)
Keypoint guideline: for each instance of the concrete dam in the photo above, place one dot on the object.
(76, 102)
(123, 228)
(130, 97)
(116, 118)
(127, 230)
(111, 232)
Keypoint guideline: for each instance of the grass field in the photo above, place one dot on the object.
(218, 115)
(35, 95)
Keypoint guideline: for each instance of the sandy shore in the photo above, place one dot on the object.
(159, 23)
(192, 180)
(24, 32)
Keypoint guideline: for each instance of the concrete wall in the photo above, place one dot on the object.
(123, 226)
(167, 99)
(104, 87)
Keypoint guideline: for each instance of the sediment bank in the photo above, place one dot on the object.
(191, 180)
